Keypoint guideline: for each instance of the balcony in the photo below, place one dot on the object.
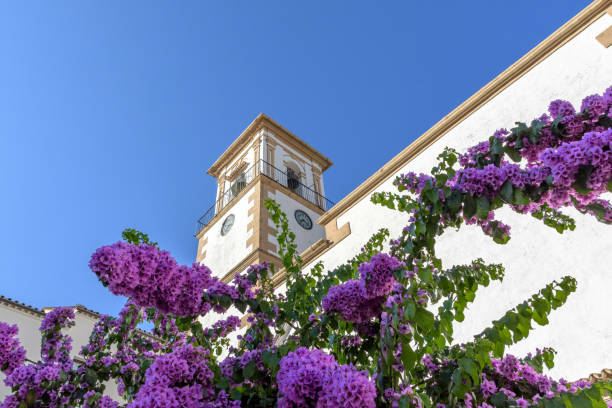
(289, 181)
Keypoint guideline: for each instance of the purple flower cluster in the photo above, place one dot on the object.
(377, 275)
(55, 345)
(415, 183)
(349, 300)
(565, 162)
(429, 363)
(516, 379)
(394, 396)
(309, 378)
(36, 379)
(467, 159)
(596, 105)
(348, 388)
(154, 279)
(302, 375)
(351, 341)
(222, 328)
(359, 300)
(513, 370)
(12, 355)
(98, 401)
(489, 180)
(178, 379)
(574, 124)
(247, 281)
(57, 318)
(582, 149)
(560, 107)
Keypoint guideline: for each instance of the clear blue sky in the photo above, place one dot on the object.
(111, 111)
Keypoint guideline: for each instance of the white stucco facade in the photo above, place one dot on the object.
(227, 250)
(28, 320)
(536, 255)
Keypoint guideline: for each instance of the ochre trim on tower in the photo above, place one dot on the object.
(564, 34)
(201, 255)
(259, 224)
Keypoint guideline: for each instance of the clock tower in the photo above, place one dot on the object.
(265, 161)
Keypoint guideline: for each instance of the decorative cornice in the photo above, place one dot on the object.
(13, 304)
(263, 121)
(237, 169)
(564, 34)
(603, 375)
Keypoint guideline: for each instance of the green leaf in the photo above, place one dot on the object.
(580, 401)
(498, 399)
(469, 206)
(557, 126)
(535, 131)
(580, 189)
(454, 201)
(432, 194)
(270, 359)
(467, 365)
(520, 198)
(593, 393)
(91, 377)
(582, 178)
(513, 153)
(409, 357)
(223, 383)
(506, 191)
(235, 394)
(424, 319)
(482, 207)
(609, 186)
(497, 146)
(409, 311)
(249, 370)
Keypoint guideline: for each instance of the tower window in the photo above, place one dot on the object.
(293, 179)
(238, 184)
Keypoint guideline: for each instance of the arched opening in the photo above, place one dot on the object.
(293, 176)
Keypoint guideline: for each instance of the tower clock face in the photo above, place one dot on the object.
(227, 224)
(303, 219)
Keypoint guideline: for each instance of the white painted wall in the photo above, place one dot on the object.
(303, 238)
(30, 338)
(536, 255)
(223, 252)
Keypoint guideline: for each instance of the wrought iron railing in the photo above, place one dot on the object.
(291, 182)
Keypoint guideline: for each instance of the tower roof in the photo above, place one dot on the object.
(263, 121)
